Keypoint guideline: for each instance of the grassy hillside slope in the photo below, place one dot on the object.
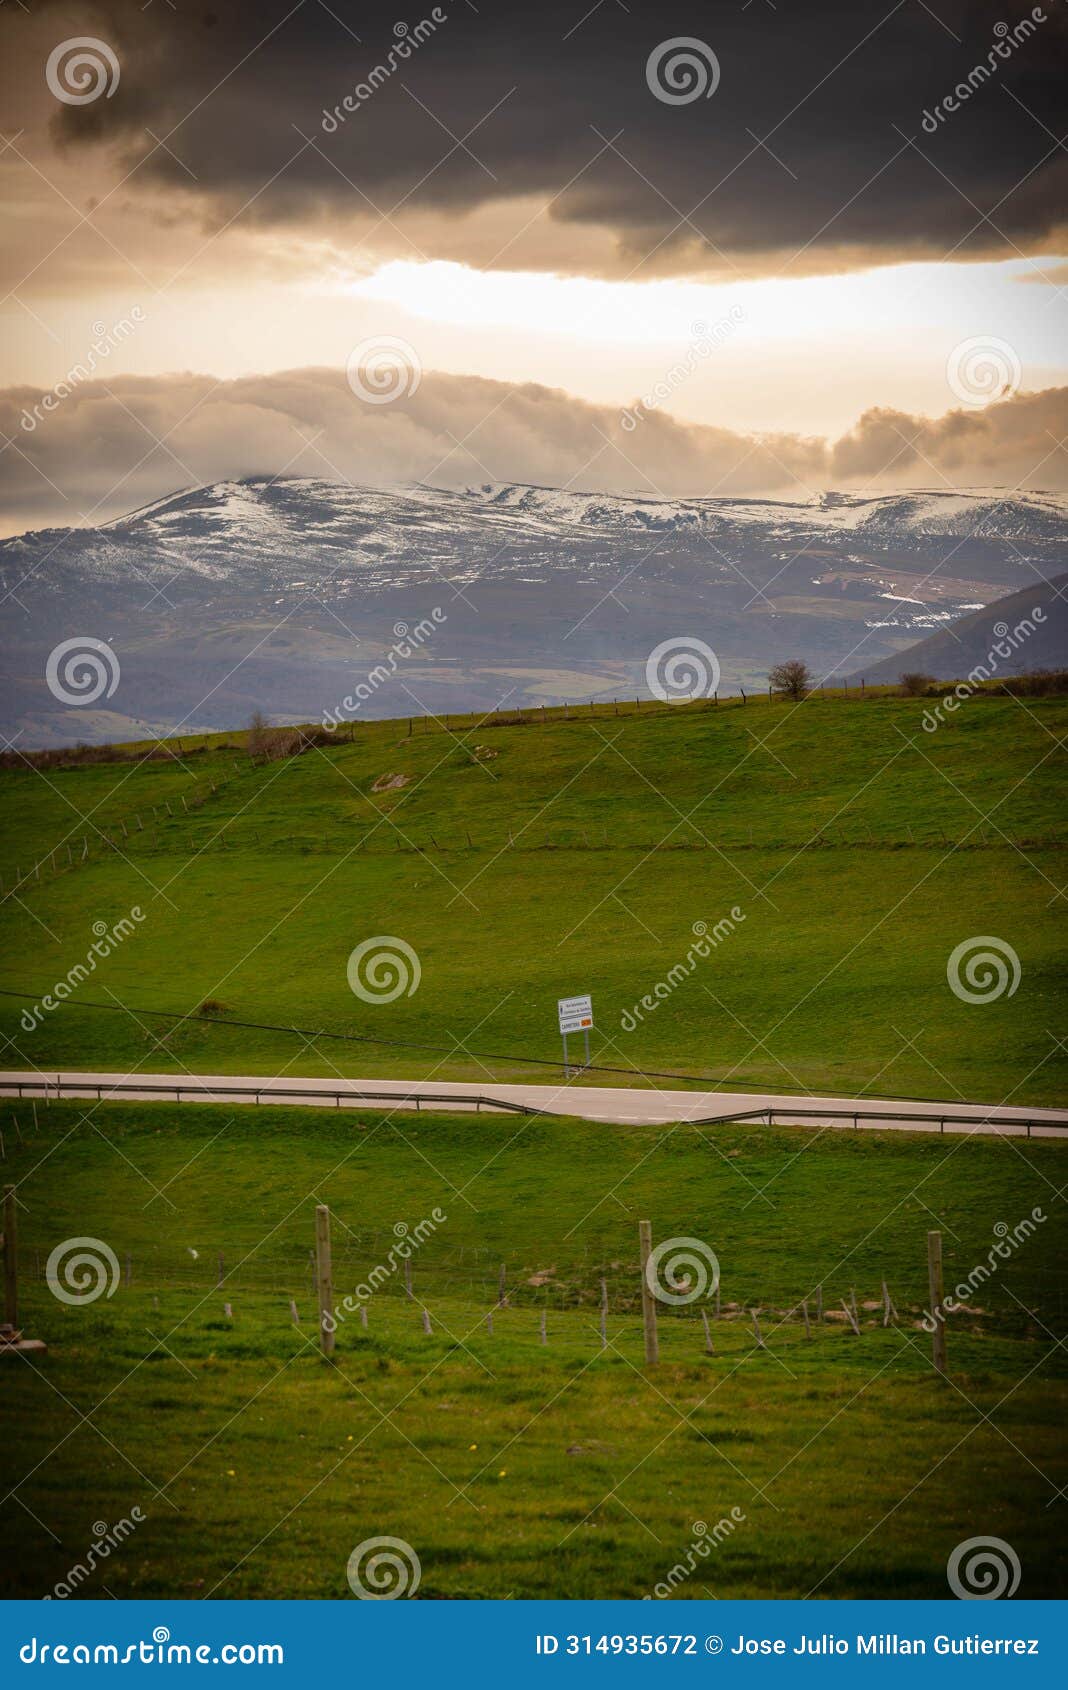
(516, 1467)
(529, 858)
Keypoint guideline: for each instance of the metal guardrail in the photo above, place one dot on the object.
(339, 1096)
(261, 1094)
(769, 1116)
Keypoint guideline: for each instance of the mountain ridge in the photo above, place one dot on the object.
(275, 593)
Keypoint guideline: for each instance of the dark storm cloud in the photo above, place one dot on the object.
(836, 89)
(86, 458)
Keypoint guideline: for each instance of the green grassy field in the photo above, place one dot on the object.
(530, 859)
(512, 1467)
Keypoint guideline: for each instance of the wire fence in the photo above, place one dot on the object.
(1018, 1301)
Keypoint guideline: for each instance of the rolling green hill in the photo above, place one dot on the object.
(529, 857)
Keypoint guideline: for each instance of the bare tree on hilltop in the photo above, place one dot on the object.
(792, 678)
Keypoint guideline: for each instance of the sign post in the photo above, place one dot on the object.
(575, 1016)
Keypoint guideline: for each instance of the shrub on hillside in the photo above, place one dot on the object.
(256, 737)
(1041, 683)
(272, 744)
(915, 684)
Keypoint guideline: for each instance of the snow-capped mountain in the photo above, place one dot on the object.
(278, 594)
(894, 517)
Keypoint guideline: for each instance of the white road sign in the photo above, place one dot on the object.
(576, 1014)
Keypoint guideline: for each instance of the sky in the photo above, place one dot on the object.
(732, 248)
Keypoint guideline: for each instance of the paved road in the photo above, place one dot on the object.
(640, 1105)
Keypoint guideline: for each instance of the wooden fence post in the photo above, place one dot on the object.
(937, 1294)
(889, 1311)
(11, 1265)
(323, 1278)
(645, 1250)
(604, 1314)
(709, 1351)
